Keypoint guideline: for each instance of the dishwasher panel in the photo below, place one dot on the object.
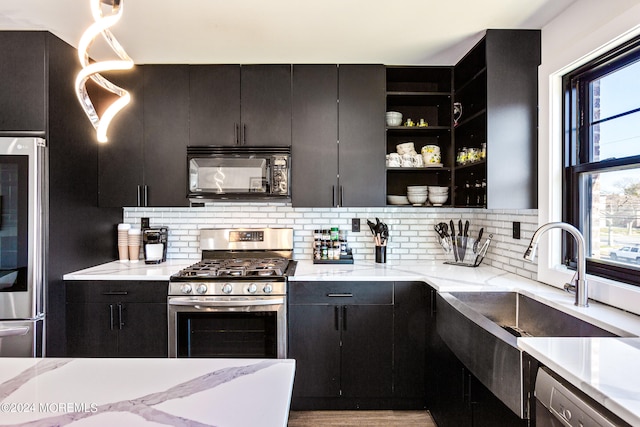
(561, 404)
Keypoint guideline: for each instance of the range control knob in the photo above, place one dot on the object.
(252, 288)
(201, 289)
(227, 288)
(267, 289)
(186, 288)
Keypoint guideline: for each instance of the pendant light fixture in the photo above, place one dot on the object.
(92, 70)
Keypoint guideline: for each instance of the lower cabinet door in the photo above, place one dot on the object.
(92, 330)
(144, 330)
(367, 350)
(314, 342)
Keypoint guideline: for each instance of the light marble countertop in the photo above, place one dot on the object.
(133, 392)
(617, 391)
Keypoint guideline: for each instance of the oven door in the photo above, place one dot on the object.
(231, 327)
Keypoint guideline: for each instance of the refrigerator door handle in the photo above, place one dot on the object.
(14, 331)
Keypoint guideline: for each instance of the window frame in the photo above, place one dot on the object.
(577, 154)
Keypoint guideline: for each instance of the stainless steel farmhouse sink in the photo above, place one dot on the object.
(482, 328)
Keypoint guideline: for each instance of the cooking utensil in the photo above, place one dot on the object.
(463, 239)
(443, 236)
(483, 251)
(453, 240)
(475, 244)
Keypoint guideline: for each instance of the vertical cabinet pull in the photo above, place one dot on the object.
(344, 317)
(236, 133)
(333, 195)
(336, 315)
(139, 197)
(146, 195)
(244, 134)
(341, 198)
(120, 320)
(111, 316)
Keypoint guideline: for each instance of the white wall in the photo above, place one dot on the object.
(412, 237)
(583, 31)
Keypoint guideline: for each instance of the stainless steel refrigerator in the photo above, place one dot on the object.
(23, 231)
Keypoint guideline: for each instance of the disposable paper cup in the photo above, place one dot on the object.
(123, 253)
(134, 253)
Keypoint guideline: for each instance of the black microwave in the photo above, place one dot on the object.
(238, 173)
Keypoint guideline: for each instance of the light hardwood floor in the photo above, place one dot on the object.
(360, 418)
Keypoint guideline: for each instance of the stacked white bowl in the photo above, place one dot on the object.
(438, 195)
(393, 118)
(417, 194)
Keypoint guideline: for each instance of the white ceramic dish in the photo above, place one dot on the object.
(397, 200)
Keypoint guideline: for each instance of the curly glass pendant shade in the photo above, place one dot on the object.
(92, 70)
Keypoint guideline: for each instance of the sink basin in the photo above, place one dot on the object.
(482, 329)
(521, 315)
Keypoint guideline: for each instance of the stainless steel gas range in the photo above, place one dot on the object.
(233, 302)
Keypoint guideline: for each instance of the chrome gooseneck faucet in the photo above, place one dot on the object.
(580, 282)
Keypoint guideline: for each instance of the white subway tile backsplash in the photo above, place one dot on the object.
(411, 229)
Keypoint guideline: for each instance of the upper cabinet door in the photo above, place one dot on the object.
(266, 105)
(23, 95)
(166, 134)
(314, 149)
(361, 132)
(120, 159)
(214, 104)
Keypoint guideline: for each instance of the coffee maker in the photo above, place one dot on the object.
(154, 244)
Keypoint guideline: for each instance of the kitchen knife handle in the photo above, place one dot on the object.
(111, 316)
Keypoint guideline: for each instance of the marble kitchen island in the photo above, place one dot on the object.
(132, 392)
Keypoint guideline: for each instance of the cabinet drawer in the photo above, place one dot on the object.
(116, 290)
(340, 293)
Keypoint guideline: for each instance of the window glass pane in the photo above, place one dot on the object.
(613, 200)
(616, 93)
(617, 138)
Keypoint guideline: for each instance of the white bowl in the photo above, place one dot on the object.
(393, 118)
(438, 190)
(397, 200)
(418, 188)
(417, 199)
(437, 199)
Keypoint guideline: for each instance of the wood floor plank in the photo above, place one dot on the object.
(360, 418)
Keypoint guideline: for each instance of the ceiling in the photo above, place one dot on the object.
(392, 32)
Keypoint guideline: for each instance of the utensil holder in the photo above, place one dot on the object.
(381, 254)
(464, 251)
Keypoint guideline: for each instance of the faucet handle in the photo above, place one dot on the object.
(572, 286)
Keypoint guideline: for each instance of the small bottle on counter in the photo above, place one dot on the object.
(336, 249)
(343, 243)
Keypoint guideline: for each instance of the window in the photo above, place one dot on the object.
(602, 162)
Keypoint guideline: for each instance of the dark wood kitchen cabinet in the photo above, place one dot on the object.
(341, 335)
(496, 83)
(116, 319)
(144, 162)
(338, 135)
(240, 105)
(23, 82)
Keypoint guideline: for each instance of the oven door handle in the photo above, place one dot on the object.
(223, 303)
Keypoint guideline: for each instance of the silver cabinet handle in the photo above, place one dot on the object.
(111, 316)
(120, 321)
(244, 303)
(346, 295)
